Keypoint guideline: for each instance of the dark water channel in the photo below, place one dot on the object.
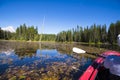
(45, 61)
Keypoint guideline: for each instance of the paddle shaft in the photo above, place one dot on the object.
(96, 54)
(81, 51)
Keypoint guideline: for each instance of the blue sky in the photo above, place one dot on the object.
(59, 14)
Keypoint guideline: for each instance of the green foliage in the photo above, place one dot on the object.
(93, 34)
(113, 32)
(48, 37)
(5, 34)
(31, 33)
(65, 36)
(28, 33)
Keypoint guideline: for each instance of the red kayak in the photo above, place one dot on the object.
(92, 71)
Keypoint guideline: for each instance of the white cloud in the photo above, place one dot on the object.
(9, 28)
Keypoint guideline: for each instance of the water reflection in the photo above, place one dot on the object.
(46, 53)
(49, 62)
(53, 62)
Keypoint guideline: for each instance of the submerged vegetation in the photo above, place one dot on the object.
(25, 62)
(90, 34)
(47, 62)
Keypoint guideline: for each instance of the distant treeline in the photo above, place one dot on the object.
(28, 33)
(89, 34)
(92, 34)
(5, 34)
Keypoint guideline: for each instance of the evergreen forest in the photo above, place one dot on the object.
(89, 34)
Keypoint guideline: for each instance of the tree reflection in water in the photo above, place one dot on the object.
(52, 61)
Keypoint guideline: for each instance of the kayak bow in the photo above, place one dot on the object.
(92, 71)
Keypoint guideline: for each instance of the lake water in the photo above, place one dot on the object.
(45, 61)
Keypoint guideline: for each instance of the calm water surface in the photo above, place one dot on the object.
(34, 61)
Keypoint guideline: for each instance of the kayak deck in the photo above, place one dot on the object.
(92, 71)
(101, 76)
